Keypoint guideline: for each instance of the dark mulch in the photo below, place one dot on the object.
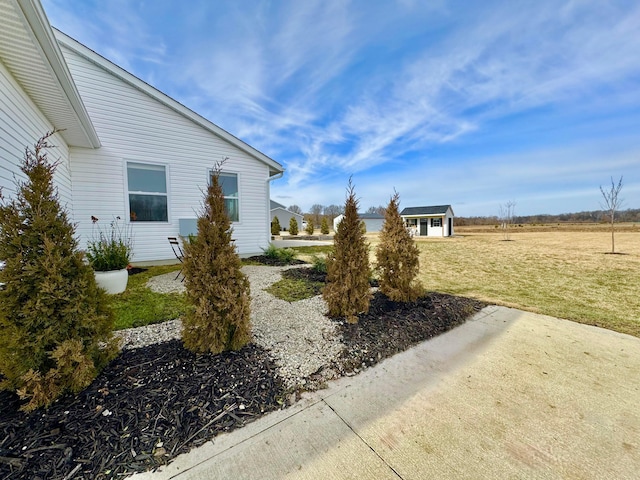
(274, 262)
(164, 393)
(392, 327)
(161, 393)
(313, 276)
(136, 270)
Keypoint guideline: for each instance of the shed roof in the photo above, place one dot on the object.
(432, 210)
(370, 216)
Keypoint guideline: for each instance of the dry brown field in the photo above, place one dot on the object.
(563, 272)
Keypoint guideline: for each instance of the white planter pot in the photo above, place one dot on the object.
(114, 281)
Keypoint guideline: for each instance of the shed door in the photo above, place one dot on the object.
(450, 226)
(423, 227)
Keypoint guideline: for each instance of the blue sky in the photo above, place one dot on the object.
(466, 103)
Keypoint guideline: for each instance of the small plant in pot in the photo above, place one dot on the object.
(109, 254)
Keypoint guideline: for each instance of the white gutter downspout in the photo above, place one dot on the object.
(269, 180)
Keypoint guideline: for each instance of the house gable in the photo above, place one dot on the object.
(120, 73)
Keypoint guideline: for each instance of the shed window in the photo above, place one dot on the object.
(436, 222)
(147, 186)
(230, 190)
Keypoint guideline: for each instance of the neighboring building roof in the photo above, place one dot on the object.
(433, 210)
(29, 50)
(274, 167)
(277, 205)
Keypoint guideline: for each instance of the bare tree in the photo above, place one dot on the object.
(381, 210)
(332, 211)
(507, 212)
(295, 209)
(612, 203)
(316, 213)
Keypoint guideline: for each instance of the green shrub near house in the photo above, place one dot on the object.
(55, 323)
(216, 288)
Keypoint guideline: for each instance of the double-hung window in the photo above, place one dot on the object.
(436, 222)
(230, 190)
(147, 187)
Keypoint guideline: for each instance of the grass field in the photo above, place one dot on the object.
(566, 274)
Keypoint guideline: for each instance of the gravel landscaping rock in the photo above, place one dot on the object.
(157, 399)
(300, 338)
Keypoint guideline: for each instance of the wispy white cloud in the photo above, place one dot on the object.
(332, 88)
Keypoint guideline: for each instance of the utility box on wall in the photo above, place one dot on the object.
(188, 226)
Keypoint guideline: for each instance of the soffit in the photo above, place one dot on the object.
(34, 66)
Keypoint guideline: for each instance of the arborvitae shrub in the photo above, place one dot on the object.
(324, 227)
(275, 226)
(347, 290)
(216, 288)
(293, 226)
(397, 257)
(309, 228)
(55, 324)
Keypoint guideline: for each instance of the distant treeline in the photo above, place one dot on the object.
(629, 215)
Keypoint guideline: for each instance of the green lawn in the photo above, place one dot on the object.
(138, 306)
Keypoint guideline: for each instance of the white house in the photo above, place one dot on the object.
(284, 215)
(124, 148)
(372, 221)
(434, 221)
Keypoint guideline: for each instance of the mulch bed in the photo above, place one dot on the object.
(274, 262)
(153, 403)
(147, 406)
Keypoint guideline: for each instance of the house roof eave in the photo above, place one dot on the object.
(68, 113)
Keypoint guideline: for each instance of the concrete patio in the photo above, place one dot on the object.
(509, 394)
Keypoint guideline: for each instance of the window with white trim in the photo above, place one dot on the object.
(230, 190)
(147, 189)
(436, 222)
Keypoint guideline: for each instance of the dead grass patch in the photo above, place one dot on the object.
(565, 274)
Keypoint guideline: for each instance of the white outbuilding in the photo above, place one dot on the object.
(432, 221)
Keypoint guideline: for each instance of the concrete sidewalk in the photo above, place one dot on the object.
(509, 394)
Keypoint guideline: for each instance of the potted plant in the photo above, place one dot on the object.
(109, 254)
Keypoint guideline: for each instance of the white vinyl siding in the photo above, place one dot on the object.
(21, 125)
(133, 126)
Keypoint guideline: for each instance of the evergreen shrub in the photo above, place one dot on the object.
(55, 323)
(397, 257)
(275, 226)
(285, 255)
(324, 227)
(293, 226)
(347, 292)
(216, 288)
(309, 228)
